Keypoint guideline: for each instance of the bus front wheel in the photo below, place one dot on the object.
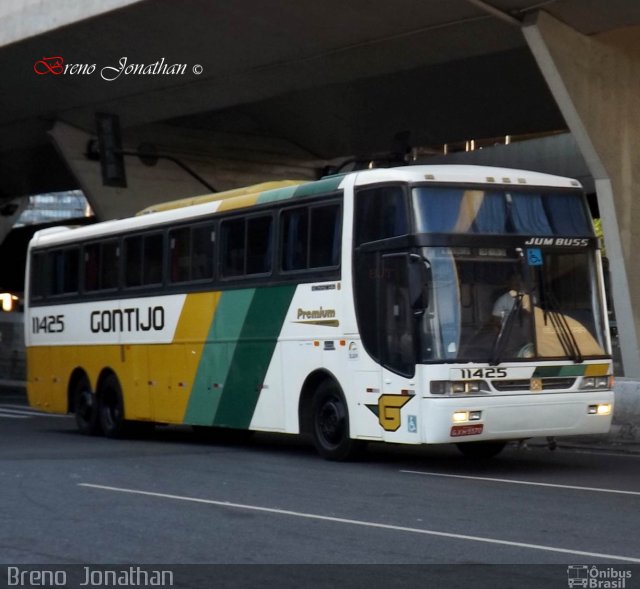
(331, 425)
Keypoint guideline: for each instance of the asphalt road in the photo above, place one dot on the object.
(172, 498)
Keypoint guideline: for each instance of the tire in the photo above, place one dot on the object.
(330, 428)
(481, 450)
(85, 405)
(111, 408)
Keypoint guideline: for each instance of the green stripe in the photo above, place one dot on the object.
(551, 371)
(217, 353)
(325, 185)
(237, 355)
(276, 194)
(253, 355)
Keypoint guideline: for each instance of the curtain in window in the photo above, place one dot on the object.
(438, 209)
(528, 215)
(568, 215)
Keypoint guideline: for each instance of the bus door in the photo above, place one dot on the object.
(403, 300)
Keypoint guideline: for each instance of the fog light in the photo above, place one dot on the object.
(604, 409)
(460, 416)
(475, 415)
(600, 409)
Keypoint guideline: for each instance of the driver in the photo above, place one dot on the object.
(505, 302)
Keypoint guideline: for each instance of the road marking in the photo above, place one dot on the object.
(363, 523)
(514, 482)
(600, 453)
(12, 416)
(8, 411)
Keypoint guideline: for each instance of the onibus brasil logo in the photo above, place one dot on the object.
(593, 577)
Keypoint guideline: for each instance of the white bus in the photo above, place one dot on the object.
(414, 305)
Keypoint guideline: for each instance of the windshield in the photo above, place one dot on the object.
(498, 304)
(458, 210)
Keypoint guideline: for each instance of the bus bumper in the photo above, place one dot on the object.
(515, 417)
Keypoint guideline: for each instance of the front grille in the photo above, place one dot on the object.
(505, 386)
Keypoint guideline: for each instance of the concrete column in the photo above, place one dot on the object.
(596, 83)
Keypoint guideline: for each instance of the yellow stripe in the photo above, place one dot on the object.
(156, 379)
(173, 368)
(238, 202)
(227, 194)
(196, 316)
(597, 370)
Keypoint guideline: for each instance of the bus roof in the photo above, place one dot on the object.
(465, 174)
(204, 198)
(197, 207)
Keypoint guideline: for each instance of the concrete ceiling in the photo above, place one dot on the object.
(331, 79)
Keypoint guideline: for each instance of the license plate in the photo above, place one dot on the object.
(466, 430)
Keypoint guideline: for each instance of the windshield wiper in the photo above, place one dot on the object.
(559, 322)
(505, 330)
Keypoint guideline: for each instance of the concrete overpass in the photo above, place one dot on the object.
(278, 89)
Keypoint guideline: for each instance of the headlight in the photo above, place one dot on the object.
(458, 387)
(462, 416)
(596, 383)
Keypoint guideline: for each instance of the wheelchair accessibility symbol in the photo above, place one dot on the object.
(534, 256)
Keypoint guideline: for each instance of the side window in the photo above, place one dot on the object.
(311, 237)
(38, 276)
(179, 254)
(133, 261)
(143, 257)
(381, 213)
(92, 267)
(246, 246)
(152, 261)
(101, 266)
(191, 253)
(259, 247)
(295, 239)
(64, 266)
(326, 231)
(233, 242)
(110, 264)
(202, 241)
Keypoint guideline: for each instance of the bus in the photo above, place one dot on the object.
(417, 305)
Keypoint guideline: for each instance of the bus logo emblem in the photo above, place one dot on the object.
(388, 410)
(535, 384)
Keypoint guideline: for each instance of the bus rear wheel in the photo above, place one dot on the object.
(85, 407)
(481, 450)
(111, 408)
(331, 425)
